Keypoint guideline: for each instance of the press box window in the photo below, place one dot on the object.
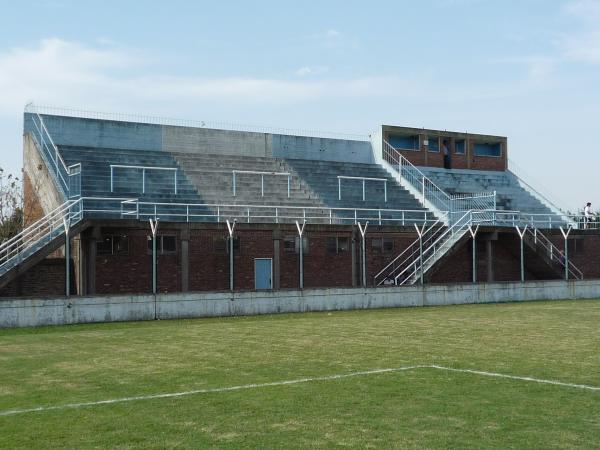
(487, 150)
(292, 244)
(113, 245)
(434, 145)
(336, 245)
(165, 244)
(459, 147)
(382, 245)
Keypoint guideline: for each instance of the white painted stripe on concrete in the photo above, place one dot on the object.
(13, 412)
(516, 377)
(208, 391)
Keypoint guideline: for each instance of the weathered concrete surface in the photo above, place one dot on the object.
(59, 311)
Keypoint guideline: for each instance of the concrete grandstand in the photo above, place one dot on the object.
(151, 204)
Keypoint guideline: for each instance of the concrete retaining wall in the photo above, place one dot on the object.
(59, 311)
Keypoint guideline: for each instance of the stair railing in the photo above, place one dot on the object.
(39, 233)
(400, 262)
(553, 252)
(435, 249)
(67, 177)
(432, 195)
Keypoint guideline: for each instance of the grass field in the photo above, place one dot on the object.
(414, 408)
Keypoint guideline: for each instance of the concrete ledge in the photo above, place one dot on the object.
(61, 311)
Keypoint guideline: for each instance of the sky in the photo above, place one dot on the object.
(525, 69)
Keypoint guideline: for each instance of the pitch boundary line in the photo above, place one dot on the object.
(13, 412)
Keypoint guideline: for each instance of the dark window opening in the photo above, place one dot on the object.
(382, 245)
(165, 244)
(113, 245)
(337, 245)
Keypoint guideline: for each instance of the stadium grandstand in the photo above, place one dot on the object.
(130, 204)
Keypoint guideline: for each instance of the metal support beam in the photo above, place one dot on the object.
(420, 232)
(363, 252)
(230, 229)
(301, 251)
(154, 229)
(473, 233)
(67, 225)
(566, 236)
(521, 234)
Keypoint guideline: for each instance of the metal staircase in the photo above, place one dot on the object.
(428, 193)
(412, 264)
(551, 254)
(38, 239)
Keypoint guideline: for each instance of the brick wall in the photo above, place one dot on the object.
(45, 279)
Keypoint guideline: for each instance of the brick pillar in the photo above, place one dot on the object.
(276, 258)
(185, 259)
(490, 261)
(90, 261)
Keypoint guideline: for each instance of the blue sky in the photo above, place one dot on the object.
(528, 69)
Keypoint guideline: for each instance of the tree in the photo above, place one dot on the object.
(11, 206)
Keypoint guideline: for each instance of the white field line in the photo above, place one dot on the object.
(515, 377)
(208, 391)
(13, 412)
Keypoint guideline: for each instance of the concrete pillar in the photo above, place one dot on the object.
(185, 259)
(490, 261)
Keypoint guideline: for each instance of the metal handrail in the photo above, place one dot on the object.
(262, 179)
(515, 169)
(438, 224)
(143, 169)
(457, 230)
(52, 222)
(345, 177)
(552, 249)
(274, 212)
(45, 139)
(432, 193)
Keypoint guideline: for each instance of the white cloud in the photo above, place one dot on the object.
(309, 71)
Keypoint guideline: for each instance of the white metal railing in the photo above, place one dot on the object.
(262, 179)
(143, 169)
(537, 238)
(190, 212)
(423, 253)
(409, 255)
(432, 195)
(138, 118)
(364, 179)
(41, 232)
(67, 177)
(505, 218)
(541, 193)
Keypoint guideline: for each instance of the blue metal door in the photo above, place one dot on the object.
(263, 270)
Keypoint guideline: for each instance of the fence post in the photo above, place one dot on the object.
(288, 185)
(143, 181)
(423, 188)
(339, 188)
(233, 182)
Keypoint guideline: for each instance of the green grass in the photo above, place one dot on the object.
(423, 408)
